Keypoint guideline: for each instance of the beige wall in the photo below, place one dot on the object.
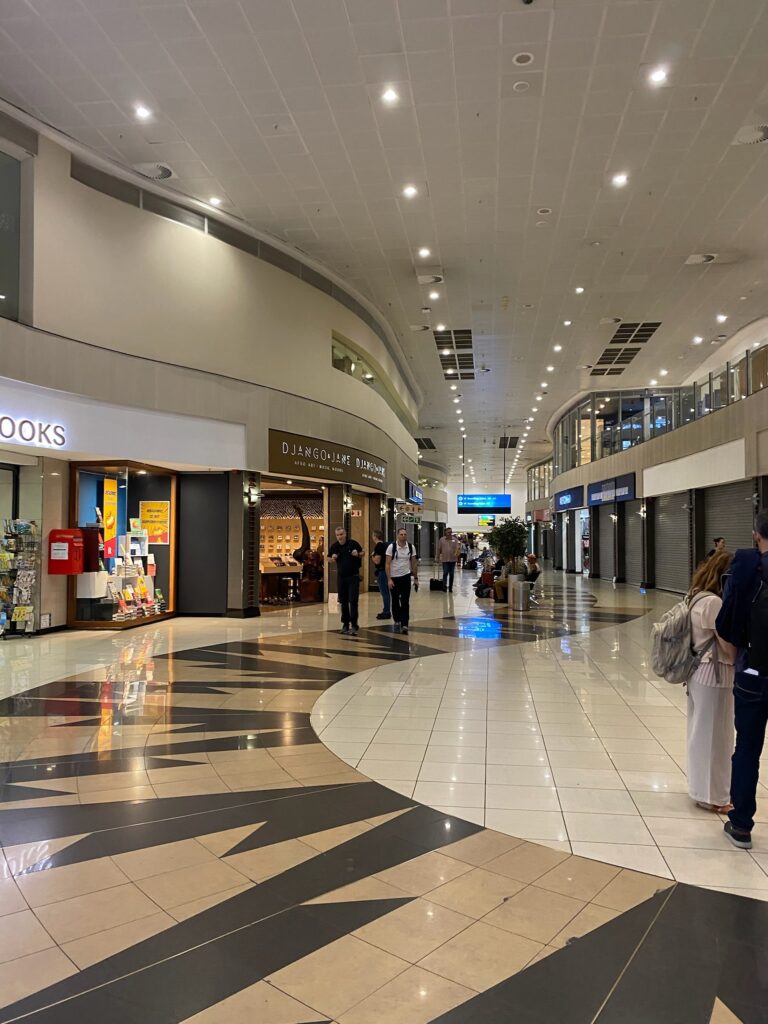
(746, 419)
(130, 281)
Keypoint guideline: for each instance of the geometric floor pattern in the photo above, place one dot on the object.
(572, 742)
(178, 845)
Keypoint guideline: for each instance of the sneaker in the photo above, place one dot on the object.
(383, 615)
(450, 590)
(398, 627)
(403, 629)
(738, 836)
(344, 630)
(353, 631)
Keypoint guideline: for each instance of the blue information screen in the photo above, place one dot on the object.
(485, 504)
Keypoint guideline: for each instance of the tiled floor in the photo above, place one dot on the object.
(571, 741)
(177, 845)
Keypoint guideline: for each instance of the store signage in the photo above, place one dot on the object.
(34, 432)
(299, 455)
(486, 520)
(406, 517)
(413, 493)
(485, 504)
(621, 488)
(572, 498)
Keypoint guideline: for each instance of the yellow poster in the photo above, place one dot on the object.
(110, 517)
(156, 520)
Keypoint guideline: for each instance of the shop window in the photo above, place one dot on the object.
(738, 383)
(720, 389)
(585, 433)
(10, 205)
(687, 405)
(632, 421)
(607, 429)
(758, 369)
(128, 517)
(703, 393)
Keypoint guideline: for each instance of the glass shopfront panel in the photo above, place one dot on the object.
(10, 206)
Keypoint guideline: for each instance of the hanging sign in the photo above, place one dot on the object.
(110, 517)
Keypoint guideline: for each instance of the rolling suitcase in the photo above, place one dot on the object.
(437, 583)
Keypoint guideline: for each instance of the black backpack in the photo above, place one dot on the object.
(757, 645)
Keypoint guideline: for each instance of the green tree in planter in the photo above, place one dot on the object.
(510, 540)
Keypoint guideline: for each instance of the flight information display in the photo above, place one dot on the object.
(485, 504)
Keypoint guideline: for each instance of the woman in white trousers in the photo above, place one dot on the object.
(711, 733)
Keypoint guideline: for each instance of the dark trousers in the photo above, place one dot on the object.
(751, 703)
(448, 569)
(381, 579)
(349, 593)
(401, 598)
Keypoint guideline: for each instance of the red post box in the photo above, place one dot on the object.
(65, 552)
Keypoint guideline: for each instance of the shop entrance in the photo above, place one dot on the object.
(292, 543)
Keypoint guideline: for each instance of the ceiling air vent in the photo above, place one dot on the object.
(508, 442)
(157, 172)
(751, 135)
(419, 327)
(429, 278)
(607, 320)
(697, 258)
(425, 444)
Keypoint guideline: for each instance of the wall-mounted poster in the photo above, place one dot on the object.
(156, 520)
(110, 517)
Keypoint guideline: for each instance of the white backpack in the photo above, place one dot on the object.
(673, 656)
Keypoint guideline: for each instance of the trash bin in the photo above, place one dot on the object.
(519, 596)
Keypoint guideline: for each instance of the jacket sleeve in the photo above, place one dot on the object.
(733, 620)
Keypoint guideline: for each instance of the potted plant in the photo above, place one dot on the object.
(509, 539)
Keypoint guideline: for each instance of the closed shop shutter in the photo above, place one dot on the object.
(673, 542)
(728, 512)
(633, 541)
(607, 531)
(558, 543)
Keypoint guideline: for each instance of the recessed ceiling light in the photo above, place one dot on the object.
(450, 370)
(697, 340)
(390, 96)
(663, 373)
(567, 323)
(289, 481)
(445, 352)
(434, 295)
(440, 327)
(619, 180)
(458, 412)
(453, 388)
(538, 398)
(658, 76)
(410, 191)
(2, 298)
(535, 408)
(654, 382)
(142, 112)
(550, 369)
(455, 400)
(558, 348)
(579, 290)
(544, 384)
(721, 318)
(461, 421)
(424, 252)
(214, 201)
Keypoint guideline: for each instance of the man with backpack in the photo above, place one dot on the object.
(743, 622)
(401, 565)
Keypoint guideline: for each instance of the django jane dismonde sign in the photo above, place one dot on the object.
(299, 455)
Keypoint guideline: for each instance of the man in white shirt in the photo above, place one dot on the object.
(447, 555)
(401, 565)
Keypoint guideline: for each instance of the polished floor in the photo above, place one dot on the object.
(177, 843)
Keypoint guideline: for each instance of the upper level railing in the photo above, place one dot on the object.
(607, 422)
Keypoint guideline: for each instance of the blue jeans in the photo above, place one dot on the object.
(448, 568)
(751, 706)
(381, 579)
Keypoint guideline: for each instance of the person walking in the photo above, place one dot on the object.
(448, 549)
(347, 555)
(710, 692)
(379, 559)
(401, 566)
(743, 622)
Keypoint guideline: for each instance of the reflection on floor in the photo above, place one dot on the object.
(178, 845)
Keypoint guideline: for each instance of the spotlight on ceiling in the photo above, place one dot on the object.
(619, 180)
(657, 76)
(424, 252)
(142, 112)
(390, 96)
(410, 191)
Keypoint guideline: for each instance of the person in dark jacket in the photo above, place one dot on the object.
(743, 622)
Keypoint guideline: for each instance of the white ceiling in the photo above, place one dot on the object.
(275, 106)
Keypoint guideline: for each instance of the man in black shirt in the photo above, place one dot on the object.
(347, 555)
(379, 559)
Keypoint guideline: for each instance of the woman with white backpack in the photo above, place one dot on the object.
(710, 692)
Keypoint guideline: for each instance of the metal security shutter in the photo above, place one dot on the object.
(606, 540)
(673, 542)
(633, 541)
(570, 554)
(728, 512)
(558, 543)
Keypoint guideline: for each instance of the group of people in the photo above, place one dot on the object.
(728, 603)
(396, 567)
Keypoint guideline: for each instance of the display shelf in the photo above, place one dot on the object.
(20, 553)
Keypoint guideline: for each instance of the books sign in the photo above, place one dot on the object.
(156, 520)
(299, 455)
